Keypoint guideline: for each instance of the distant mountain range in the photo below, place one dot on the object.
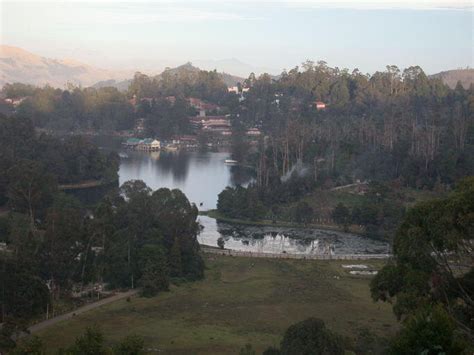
(451, 77)
(19, 65)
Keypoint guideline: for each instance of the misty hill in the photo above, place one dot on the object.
(120, 85)
(232, 65)
(188, 68)
(19, 65)
(185, 70)
(451, 77)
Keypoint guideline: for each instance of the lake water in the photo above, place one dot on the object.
(203, 175)
(200, 175)
(267, 239)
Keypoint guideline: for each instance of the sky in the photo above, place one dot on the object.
(269, 35)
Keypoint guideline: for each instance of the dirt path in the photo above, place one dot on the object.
(42, 325)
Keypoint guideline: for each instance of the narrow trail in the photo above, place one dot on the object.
(47, 323)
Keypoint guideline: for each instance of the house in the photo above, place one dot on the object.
(320, 105)
(140, 125)
(132, 143)
(253, 132)
(15, 102)
(202, 106)
(149, 145)
(234, 89)
(171, 99)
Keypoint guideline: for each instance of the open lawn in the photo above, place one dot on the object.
(241, 301)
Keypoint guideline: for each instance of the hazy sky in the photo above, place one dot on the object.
(437, 35)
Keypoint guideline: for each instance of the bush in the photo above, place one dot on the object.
(311, 337)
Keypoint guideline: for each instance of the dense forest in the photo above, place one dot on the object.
(33, 165)
(399, 129)
(108, 109)
(390, 126)
(53, 245)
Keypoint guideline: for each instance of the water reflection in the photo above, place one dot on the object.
(289, 240)
(200, 175)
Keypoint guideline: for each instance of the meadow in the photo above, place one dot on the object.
(240, 301)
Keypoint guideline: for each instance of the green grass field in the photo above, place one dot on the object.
(241, 301)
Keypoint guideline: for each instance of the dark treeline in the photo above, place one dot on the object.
(133, 238)
(53, 245)
(430, 280)
(108, 109)
(391, 125)
(74, 108)
(32, 165)
(378, 211)
(395, 129)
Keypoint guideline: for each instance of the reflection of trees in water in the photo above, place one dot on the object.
(202, 159)
(293, 240)
(240, 175)
(175, 163)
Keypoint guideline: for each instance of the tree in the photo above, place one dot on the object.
(428, 331)
(311, 337)
(23, 294)
(433, 260)
(176, 267)
(90, 343)
(154, 270)
(32, 346)
(220, 242)
(303, 212)
(341, 215)
(30, 188)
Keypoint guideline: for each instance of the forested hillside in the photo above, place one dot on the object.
(396, 127)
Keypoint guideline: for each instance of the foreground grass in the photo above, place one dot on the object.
(240, 301)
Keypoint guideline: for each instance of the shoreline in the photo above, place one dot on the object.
(331, 227)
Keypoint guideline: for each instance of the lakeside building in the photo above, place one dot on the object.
(320, 105)
(147, 144)
(15, 102)
(254, 132)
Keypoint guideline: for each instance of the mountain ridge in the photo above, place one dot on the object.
(19, 65)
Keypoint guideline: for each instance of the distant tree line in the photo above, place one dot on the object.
(104, 109)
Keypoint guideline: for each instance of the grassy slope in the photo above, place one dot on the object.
(240, 301)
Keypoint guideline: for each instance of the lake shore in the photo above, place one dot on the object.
(277, 223)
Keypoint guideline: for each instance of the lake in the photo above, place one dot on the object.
(203, 175)
(200, 175)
